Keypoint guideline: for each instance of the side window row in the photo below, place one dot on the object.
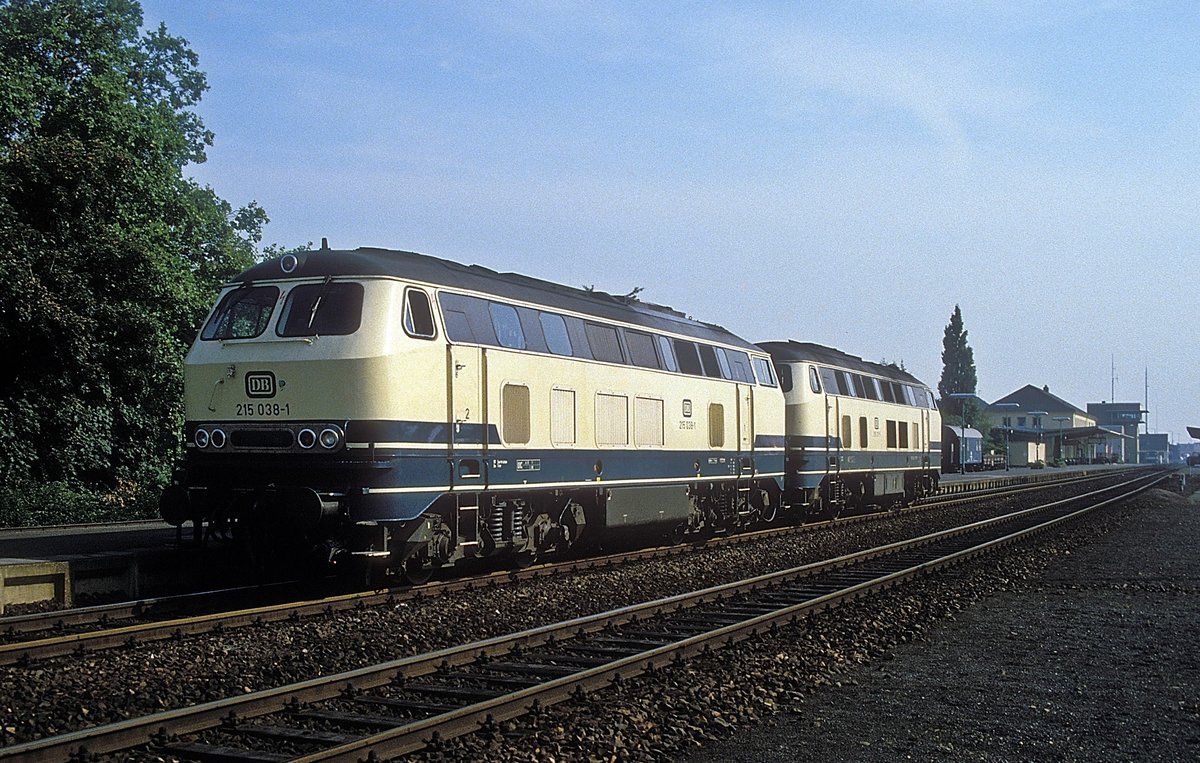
(847, 384)
(481, 321)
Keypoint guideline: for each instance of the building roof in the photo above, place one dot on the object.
(433, 270)
(964, 432)
(1031, 398)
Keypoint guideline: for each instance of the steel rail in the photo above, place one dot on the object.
(415, 736)
(21, 652)
(136, 732)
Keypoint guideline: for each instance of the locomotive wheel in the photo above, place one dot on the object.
(675, 535)
(416, 573)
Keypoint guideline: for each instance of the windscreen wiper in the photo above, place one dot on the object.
(312, 314)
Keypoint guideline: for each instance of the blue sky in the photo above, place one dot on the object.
(842, 173)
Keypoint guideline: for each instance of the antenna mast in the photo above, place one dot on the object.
(1147, 393)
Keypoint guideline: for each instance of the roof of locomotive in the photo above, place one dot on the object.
(366, 261)
(807, 351)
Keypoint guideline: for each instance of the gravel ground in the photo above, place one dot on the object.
(1092, 660)
(1080, 648)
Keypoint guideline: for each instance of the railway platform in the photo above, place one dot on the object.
(70, 564)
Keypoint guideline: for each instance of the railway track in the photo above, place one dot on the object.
(24, 638)
(402, 705)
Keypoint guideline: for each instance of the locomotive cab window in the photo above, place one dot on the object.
(418, 314)
(242, 314)
(762, 369)
(466, 319)
(739, 362)
(814, 381)
(828, 381)
(322, 309)
(785, 377)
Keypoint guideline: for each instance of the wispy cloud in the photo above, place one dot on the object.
(873, 81)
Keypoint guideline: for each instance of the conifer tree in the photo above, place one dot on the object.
(958, 367)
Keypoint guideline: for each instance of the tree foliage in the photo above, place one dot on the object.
(958, 368)
(109, 256)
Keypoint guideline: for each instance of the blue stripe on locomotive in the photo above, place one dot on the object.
(386, 478)
(515, 470)
(807, 468)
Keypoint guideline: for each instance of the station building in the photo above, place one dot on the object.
(1040, 426)
(1122, 417)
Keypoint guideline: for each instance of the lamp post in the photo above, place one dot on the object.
(1061, 450)
(1031, 414)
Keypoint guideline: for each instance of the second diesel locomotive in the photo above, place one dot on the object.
(858, 433)
(415, 411)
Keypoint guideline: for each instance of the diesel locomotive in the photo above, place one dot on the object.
(413, 412)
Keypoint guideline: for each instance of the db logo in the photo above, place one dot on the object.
(260, 384)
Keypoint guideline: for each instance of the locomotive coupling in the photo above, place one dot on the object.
(300, 507)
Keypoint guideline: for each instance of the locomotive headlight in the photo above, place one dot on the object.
(307, 438)
(217, 438)
(201, 438)
(330, 438)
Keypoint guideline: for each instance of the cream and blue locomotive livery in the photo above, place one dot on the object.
(858, 433)
(414, 410)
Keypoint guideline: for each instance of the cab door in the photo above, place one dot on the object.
(466, 382)
(926, 440)
(745, 419)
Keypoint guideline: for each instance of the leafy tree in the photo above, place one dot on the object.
(958, 371)
(109, 256)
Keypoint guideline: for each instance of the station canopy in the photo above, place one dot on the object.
(1067, 433)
